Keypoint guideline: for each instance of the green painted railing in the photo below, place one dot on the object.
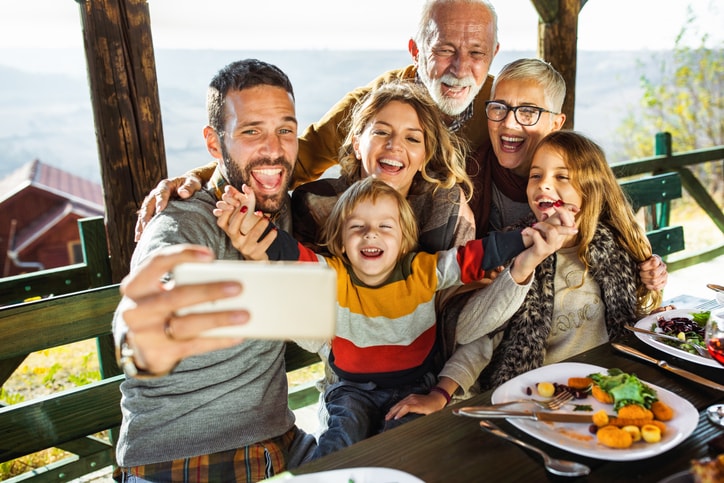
(666, 161)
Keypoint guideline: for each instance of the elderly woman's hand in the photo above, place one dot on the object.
(653, 273)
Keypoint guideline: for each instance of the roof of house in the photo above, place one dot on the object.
(76, 197)
(75, 189)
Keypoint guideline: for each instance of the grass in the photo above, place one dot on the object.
(66, 367)
(44, 373)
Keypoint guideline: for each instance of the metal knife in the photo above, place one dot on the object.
(699, 349)
(665, 365)
(654, 334)
(484, 413)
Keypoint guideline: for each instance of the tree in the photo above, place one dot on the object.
(686, 98)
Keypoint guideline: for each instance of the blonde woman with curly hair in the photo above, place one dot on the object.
(443, 163)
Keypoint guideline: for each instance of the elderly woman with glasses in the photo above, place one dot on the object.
(525, 105)
(526, 102)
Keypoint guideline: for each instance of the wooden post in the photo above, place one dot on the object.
(557, 44)
(127, 113)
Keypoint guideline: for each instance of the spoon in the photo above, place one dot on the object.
(553, 465)
(701, 350)
(715, 413)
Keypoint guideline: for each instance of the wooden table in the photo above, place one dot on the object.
(442, 447)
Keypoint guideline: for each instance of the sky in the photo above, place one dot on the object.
(363, 24)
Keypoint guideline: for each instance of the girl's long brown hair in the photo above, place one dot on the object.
(603, 201)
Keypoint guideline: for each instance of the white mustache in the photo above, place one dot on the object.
(453, 81)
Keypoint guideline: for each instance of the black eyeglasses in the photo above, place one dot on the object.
(524, 115)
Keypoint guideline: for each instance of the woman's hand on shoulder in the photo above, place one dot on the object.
(156, 201)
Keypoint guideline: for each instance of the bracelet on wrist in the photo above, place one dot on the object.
(442, 391)
(125, 357)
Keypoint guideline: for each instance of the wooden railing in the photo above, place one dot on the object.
(95, 271)
(66, 419)
(665, 161)
(70, 419)
(653, 194)
(75, 303)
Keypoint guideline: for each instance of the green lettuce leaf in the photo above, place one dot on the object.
(625, 388)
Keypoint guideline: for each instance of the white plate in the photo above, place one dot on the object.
(647, 323)
(575, 437)
(347, 475)
(680, 477)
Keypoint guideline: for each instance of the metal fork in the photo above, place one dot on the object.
(557, 402)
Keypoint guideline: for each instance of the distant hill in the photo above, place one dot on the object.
(45, 109)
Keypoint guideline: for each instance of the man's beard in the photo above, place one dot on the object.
(450, 107)
(237, 177)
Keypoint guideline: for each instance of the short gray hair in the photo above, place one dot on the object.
(540, 71)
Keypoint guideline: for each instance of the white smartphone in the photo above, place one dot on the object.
(285, 300)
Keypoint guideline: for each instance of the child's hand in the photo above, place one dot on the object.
(544, 238)
(564, 214)
(564, 217)
(236, 216)
(416, 403)
(232, 199)
(653, 273)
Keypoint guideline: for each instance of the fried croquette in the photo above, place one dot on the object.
(600, 418)
(601, 395)
(634, 411)
(580, 383)
(662, 411)
(614, 437)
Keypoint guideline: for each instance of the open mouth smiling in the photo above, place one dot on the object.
(547, 204)
(454, 91)
(390, 165)
(511, 143)
(268, 178)
(371, 252)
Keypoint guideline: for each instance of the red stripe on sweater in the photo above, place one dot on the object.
(382, 358)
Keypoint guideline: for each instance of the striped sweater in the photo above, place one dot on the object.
(386, 334)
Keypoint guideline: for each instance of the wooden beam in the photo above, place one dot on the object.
(557, 44)
(547, 10)
(57, 321)
(127, 113)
